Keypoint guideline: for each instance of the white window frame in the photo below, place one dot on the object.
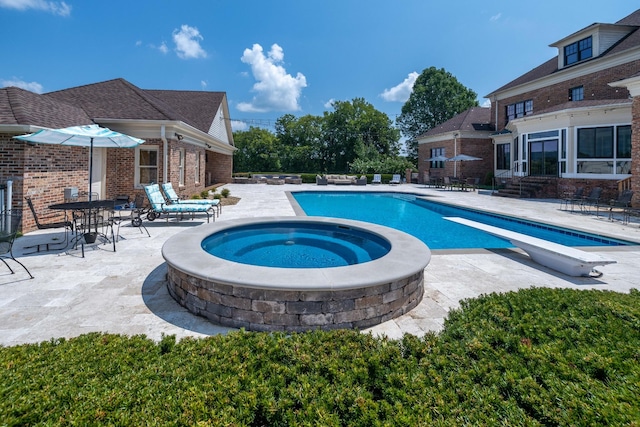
(136, 179)
(181, 166)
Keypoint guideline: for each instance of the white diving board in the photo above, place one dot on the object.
(565, 259)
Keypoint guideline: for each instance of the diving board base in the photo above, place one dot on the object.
(565, 259)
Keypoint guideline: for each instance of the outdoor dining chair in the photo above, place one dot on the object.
(47, 222)
(9, 227)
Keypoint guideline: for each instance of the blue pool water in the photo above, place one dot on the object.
(296, 245)
(424, 220)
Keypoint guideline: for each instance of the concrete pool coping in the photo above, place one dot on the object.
(407, 256)
(125, 292)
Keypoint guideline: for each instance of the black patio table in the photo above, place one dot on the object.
(89, 208)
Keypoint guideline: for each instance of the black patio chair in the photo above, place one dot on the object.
(574, 198)
(9, 227)
(51, 221)
(592, 200)
(622, 204)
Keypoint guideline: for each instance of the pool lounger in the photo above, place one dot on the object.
(565, 259)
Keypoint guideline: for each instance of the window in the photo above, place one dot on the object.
(519, 109)
(602, 148)
(146, 171)
(503, 160)
(197, 168)
(181, 167)
(437, 152)
(576, 93)
(578, 51)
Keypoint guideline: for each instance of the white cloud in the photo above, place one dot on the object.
(187, 41)
(203, 84)
(163, 48)
(486, 103)
(329, 103)
(57, 8)
(30, 86)
(401, 92)
(495, 17)
(238, 125)
(275, 89)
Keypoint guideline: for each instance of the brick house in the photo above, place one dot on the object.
(570, 120)
(188, 141)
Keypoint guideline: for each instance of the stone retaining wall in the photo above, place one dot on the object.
(278, 310)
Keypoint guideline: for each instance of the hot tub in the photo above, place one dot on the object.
(290, 297)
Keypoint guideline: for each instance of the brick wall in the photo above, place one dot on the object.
(635, 151)
(596, 87)
(477, 147)
(220, 166)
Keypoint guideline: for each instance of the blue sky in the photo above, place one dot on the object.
(274, 57)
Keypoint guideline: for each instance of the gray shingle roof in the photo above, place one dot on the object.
(551, 66)
(475, 118)
(119, 99)
(21, 107)
(112, 99)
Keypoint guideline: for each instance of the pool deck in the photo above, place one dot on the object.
(125, 292)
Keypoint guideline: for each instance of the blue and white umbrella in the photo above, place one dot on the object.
(83, 136)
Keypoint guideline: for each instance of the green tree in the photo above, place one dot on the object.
(302, 147)
(257, 150)
(437, 96)
(356, 127)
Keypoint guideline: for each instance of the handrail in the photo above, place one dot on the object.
(624, 184)
(507, 174)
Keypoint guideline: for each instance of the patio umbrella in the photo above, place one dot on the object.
(83, 136)
(437, 159)
(462, 158)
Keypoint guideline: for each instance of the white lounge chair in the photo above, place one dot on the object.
(377, 179)
(395, 179)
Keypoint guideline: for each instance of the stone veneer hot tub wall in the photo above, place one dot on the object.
(291, 299)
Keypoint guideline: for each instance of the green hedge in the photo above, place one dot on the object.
(534, 357)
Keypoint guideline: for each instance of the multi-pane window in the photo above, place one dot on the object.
(197, 168)
(576, 93)
(602, 148)
(437, 152)
(578, 51)
(146, 165)
(181, 166)
(503, 159)
(519, 109)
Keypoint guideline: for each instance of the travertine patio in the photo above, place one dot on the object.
(125, 292)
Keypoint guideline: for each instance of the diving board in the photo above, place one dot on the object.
(565, 259)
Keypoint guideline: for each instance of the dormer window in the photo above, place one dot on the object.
(578, 51)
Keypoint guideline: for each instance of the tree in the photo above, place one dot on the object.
(257, 150)
(356, 127)
(300, 139)
(437, 96)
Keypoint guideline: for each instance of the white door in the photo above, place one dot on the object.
(99, 172)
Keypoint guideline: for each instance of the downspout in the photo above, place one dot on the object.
(165, 157)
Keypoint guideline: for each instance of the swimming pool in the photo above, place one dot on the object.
(424, 220)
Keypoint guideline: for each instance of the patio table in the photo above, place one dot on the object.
(89, 210)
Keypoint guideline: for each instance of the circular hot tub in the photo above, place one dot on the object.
(296, 273)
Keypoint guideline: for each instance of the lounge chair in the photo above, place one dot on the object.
(172, 197)
(159, 206)
(377, 179)
(395, 179)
